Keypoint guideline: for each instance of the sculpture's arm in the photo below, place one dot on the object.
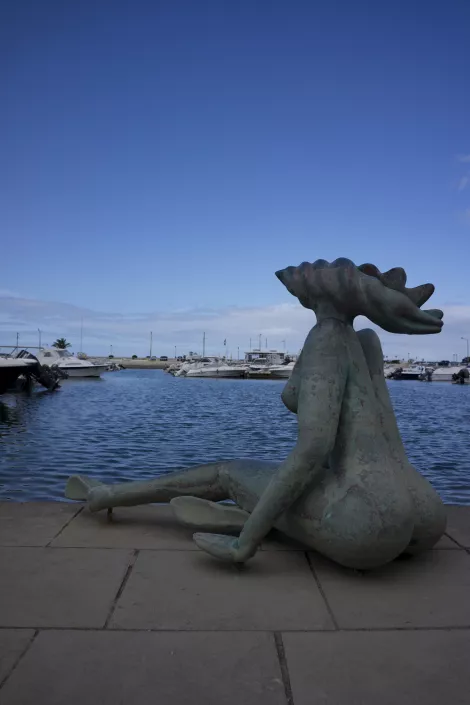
(324, 374)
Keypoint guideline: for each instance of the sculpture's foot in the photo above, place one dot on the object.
(79, 487)
(225, 548)
(211, 516)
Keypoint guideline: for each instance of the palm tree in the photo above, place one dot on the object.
(61, 344)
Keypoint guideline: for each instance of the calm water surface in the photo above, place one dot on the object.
(136, 424)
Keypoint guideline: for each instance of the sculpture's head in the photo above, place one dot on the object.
(350, 291)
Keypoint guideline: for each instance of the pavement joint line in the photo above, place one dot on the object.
(163, 548)
(19, 659)
(75, 514)
(455, 541)
(321, 590)
(122, 586)
(135, 630)
(281, 655)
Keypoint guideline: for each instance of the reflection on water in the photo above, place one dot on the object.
(140, 423)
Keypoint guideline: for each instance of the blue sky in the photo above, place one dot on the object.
(160, 160)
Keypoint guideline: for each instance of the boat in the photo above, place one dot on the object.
(66, 362)
(411, 373)
(11, 369)
(448, 374)
(212, 367)
(282, 371)
(268, 364)
(390, 369)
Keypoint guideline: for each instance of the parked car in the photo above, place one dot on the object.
(163, 358)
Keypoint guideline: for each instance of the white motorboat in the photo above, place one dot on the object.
(11, 369)
(414, 372)
(447, 374)
(268, 364)
(213, 367)
(72, 365)
(281, 371)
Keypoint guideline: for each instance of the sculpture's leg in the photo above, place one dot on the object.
(243, 481)
(211, 516)
(205, 481)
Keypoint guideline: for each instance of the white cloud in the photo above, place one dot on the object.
(463, 183)
(465, 158)
(130, 334)
(8, 293)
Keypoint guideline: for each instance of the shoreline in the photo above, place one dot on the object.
(130, 364)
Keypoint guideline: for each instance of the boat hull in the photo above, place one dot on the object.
(92, 371)
(214, 374)
(9, 373)
(8, 377)
(411, 377)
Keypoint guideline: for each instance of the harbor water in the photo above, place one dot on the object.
(136, 424)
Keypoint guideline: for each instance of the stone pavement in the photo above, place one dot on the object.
(130, 612)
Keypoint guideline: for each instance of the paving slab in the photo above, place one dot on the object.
(458, 524)
(33, 523)
(446, 542)
(152, 526)
(116, 668)
(13, 643)
(190, 590)
(59, 587)
(275, 541)
(390, 668)
(429, 590)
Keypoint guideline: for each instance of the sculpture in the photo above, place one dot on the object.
(347, 489)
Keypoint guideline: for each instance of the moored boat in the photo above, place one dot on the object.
(72, 365)
(11, 369)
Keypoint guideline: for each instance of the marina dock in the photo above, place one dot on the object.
(130, 611)
(130, 364)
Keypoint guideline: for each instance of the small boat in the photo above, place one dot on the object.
(66, 362)
(412, 373)
(448, 374)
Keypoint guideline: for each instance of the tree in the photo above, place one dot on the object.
(61, 344)
(134, 357)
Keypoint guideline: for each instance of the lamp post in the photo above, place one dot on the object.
(466, 339)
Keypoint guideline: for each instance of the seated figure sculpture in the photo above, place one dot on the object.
(347, 489)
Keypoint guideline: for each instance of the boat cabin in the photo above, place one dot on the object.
(265, 357)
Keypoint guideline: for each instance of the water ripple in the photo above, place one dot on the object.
(141, 423)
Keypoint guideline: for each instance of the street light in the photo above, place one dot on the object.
(467, 344)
